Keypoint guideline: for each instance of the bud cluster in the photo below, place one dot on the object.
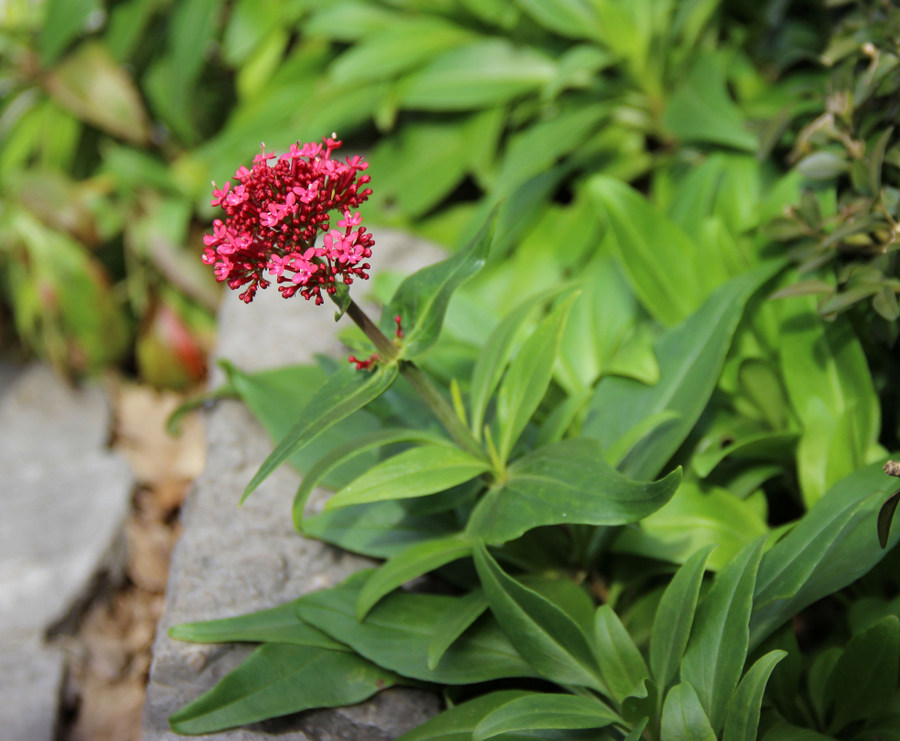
(274, 214)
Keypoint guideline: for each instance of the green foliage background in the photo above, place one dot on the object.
(115, 117)
(684, 336)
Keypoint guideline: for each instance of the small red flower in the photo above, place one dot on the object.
(274, 214)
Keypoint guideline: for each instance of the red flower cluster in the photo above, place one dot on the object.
(274, 214)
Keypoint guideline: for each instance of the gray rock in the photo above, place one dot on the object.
(31, 678)
(231, 561)
(65, 498)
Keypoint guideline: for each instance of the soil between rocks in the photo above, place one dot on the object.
(109, 651)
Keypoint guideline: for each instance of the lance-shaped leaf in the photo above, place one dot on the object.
(674, 618)
(379, 530)
(397, 632)
(528, 376)
(421, 299)
(477, 75)
(831, 546)
(426, 469)
(342, 394)
(886, 517)
(863, 682)
(621, 663)
(700, 109)
(343, 454)
(655, 252)
(550, 640)
(742, 718)
(830, 387)
(414, 561)
(717, 649)
(274, 625)
(495, 355)
(683, 718)
(543, 711)
(458, 722)
(454, 623)
(95, 88)
(278, 679)
(690, 357)
(278, 396)
(566, 482)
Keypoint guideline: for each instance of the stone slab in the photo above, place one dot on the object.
(65, 497)
(31, 678)
(231, 561)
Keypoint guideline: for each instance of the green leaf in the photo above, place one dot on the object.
(760, 445)
(466, 610)
(495, 354)
(694, 517)
(621, 663)
(683, 718)
(91, 85)
(414, 561)
(396, 49)
(830, 547)
(575, 19)
(539, 711)
(541, 145)
(340, 456)
(64, 20)
(886, 517)
(528, 377)
(864, 679)
(278, 396)
(701, 111)
(421, 165)
(426, 469)
(398, 631)
(674, 618)
(823, 165)
(274, 625)
(643, 703)
(547, 638)
(656, 254)
(352, 20)
(421, 299)
(343, 393)
(279, 679)
(175, 419)
(482, 73)
(831, 389)
(379, 530)
(61, 297)
(565, 482)
(458, 722)
(717, 649)
(603, 334)
(637, 733)
(646, 429)
(691, 357)
(742, 718)
(171, 81)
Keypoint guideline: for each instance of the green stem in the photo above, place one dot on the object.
(442, 410)
(385, 347)
(419, 381)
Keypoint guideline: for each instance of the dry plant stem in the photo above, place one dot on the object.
(419, 381)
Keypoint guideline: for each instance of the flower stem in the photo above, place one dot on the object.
(419, 381)
(385, 347)
(442, 410)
